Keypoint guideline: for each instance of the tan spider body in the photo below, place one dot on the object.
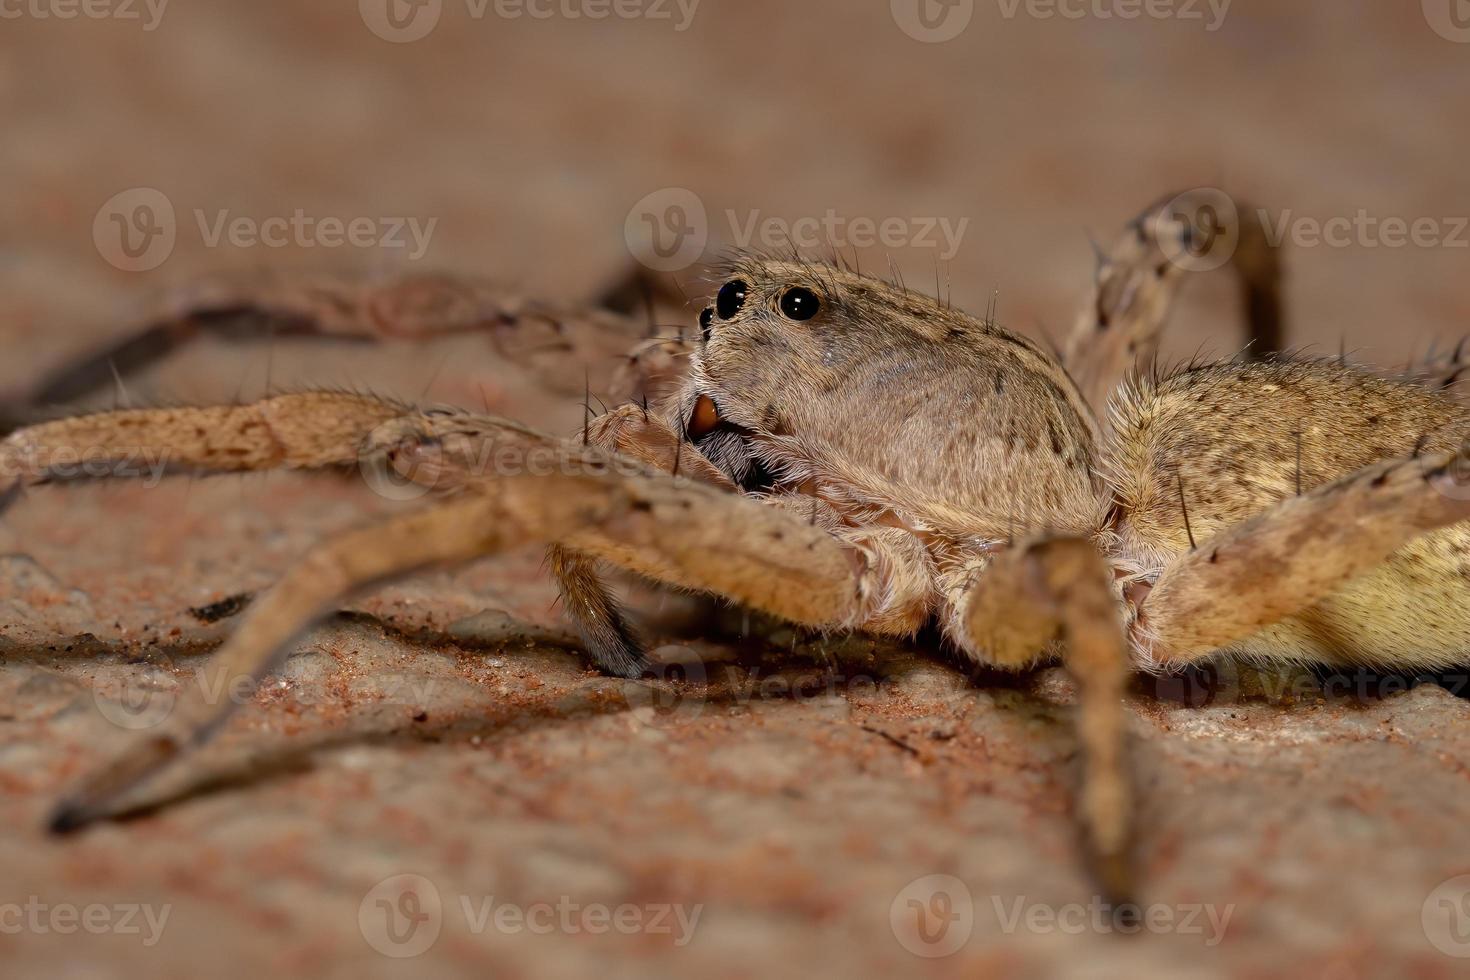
(845, 454)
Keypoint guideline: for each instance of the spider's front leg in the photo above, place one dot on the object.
(304, 431)
(639, 433)
(1055, 595)
(675, 532)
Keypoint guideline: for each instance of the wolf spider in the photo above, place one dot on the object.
(846, 454)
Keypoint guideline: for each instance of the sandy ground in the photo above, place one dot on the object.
(783, 813)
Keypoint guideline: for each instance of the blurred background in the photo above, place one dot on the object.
(522, 136)
(557, 146)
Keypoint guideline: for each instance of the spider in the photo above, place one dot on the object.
(846, 454)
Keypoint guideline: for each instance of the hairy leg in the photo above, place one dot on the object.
(350, 561)
(1136, 280)
(565, 346)
(676, 532)
(1054, 595)
(638, 433)
(1282, 561)
(302, 431)
(1442, 371)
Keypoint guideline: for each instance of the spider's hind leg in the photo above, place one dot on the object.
(557, 343)
(1304, 550)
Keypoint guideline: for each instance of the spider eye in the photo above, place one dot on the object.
(731, 297)
(705, 319)
(800, 304)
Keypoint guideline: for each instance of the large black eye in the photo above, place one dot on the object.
(800, 304)
(705, 319)
(731, 297)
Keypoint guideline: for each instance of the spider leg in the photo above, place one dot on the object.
(1120, 326)
(1055, 594)
(641, 434)
(1277, 564)
(673, 531)
(309, 430)
(415, 306)
(1444, 371)
(351, 560)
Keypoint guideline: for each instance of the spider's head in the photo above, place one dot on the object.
(792, 350)
(805, 366)
(781, 334)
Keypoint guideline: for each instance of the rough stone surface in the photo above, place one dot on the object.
(792, 789)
